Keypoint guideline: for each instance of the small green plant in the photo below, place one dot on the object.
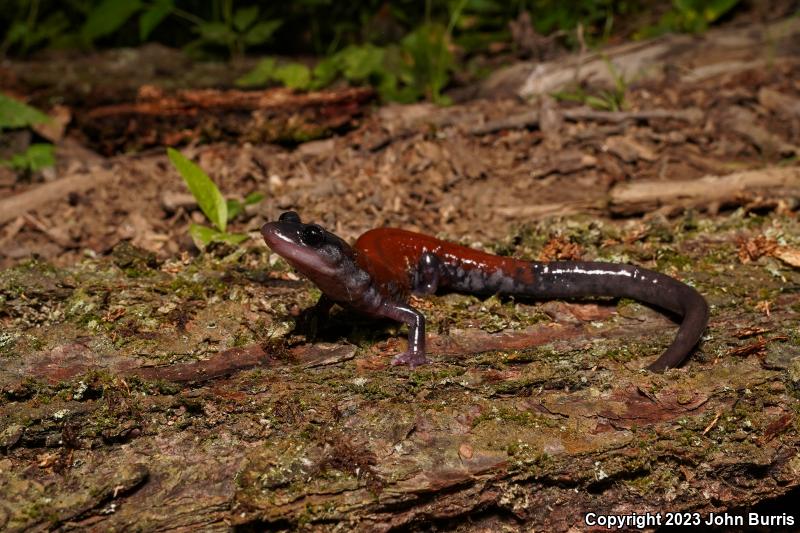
(237, 30)
(100, 19)
(293, 75)
(36, 157)
(106, 18)
(420, 65)
(428, 60)
(26, 31)
(236, 208)
(213, 205)
(15, 114)
(603, 99)
(690, 16)
(307, 26)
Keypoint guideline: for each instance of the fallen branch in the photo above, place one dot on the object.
(531, 119)
(221, 364)
(545, 210)
(160, 118)
(20, 204)
(692, 115)
(516, 122)
(708, 192)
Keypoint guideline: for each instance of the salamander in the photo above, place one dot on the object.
(377, 275)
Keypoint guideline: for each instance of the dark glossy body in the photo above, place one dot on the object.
(377, 275)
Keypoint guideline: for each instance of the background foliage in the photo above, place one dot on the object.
(319, 27)
(407, 49)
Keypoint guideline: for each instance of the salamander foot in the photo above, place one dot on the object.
(409, 358)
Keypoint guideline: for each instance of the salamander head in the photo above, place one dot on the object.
(318, 254)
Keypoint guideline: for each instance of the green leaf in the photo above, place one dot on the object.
(36, 157)
(484, 6)
(361, 62)
(261, 32)
(16, 34)
(235, 207)
(53, 28)
(244, 17)
(427, 46)
(203, 236)
(398, 64)
(253, 198)
(577, 95)
(152, 17)
(325, 72)
(601, 104)
(260, 75)
(39, 156)
(215, 32)
(231, 238)
(716, 8)
(15, 114)
(108, 17)
(293, 75)
(208, 197)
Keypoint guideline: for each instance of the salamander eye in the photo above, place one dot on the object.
(313, 235)
(289, 216)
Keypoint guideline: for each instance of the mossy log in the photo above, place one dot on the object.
(145, 395)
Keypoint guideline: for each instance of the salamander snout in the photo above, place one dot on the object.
(287, 230)
(280, 232)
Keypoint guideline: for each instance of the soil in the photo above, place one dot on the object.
(147, 385)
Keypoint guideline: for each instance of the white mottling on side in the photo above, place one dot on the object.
(593, 272)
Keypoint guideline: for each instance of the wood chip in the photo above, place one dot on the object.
(628, 149)
(790, 256)
(745, 122)
(779, 103)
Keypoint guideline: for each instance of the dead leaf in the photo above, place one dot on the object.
(779, 102)
(53, 131)
(753, 249)
(560, 249)
(465, 451)
(750, 332)
(790, 256)
(776, 427)
(758, 347)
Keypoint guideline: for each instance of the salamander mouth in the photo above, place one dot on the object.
(284, 239)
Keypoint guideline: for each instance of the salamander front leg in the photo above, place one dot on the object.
(311, 320)
(415, 355)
